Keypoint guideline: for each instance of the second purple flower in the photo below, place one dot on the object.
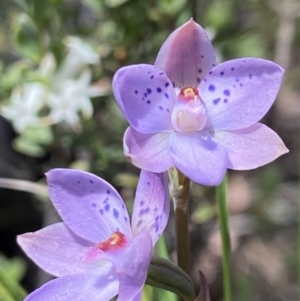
(202, 118)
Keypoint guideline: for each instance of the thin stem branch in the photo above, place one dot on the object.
(23, 185)
(224, 229)
(180, 192)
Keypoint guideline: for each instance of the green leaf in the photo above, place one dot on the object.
(41, 135)
(114, 3)
(27, 38)
(162, 273)
(171, 7)
(203, 213)
(27, 147)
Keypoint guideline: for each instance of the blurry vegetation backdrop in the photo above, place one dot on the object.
(57, 59)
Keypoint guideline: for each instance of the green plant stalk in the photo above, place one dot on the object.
(224, 229)
(180, 193)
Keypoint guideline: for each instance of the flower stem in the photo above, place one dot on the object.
(180, 193)
(224, 229)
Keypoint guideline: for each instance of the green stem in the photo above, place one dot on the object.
(180, 192)
(224, 229)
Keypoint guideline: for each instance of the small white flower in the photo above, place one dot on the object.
(25, 105)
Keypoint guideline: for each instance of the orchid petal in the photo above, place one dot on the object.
(134, 270)
(88, 205)
(148, 151)
(251, 147)
(57, 250)
(238, 93)
(101, 284)
(146, 97)
(151, 204)
(199, 157)
(187, 55)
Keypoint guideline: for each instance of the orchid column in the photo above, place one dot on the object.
(196, 119)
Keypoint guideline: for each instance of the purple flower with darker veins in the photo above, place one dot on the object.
(96, 252)
(202, 118)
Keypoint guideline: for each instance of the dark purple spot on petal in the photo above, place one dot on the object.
(226, 92)
(205, 79)
(94, 205)
(149, 91)
(158, 90)
(232, 69)
(202, 56)
(222, 73)
(108, 191)
(241, 85)
(167, 110)
(148, 183)
(106, 207)
(139, 223)
(160, 107)
(225, 100)
(123, 206)
(166, 95)
(78, 182)
(210, 72)
(173, 84)
(161, 73)
(200, 70)
(237, 80)
(142, 203)
(101, 211)
(143, 98)
(92, 182)
(211, 88)
(145, 94)
(250, 76)
(198, 80)
(167, 85)
(151, 76)
(125, 219)
(216, 101)
(136, 91)
(92, 191)
(105, 200)
(149, 72)
(146, 210)
(116, 213)
(148, 101)
(214, 64)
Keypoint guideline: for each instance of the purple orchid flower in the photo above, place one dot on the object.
(202, 118)
(96, 252)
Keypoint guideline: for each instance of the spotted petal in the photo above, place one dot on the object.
(187, 55)
(199, 157)
(146, 97)
(101, 284)
(148, 151)
(57, 250)
(91, 207)
(238, 93)
(134, 270)
(252, 147)
(151, 205)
